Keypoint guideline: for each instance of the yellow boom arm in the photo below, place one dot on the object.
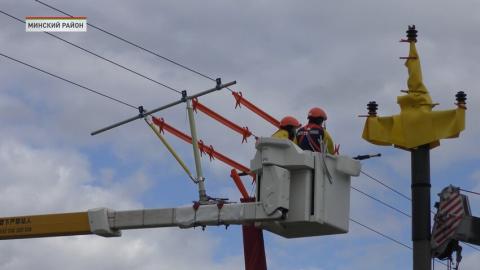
(44, 225)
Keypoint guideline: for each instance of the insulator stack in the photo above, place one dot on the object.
(412, 34)
(372, 107)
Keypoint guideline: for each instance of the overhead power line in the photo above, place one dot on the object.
(69, 81)
(136, 45)
(472, 246)
(99, 56)
(385, 185)
(382, 202)
(469, 191)
(387, 237)
(381, 234)
(408, 198)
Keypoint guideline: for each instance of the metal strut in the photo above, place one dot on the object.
(171, 150)
(196, 154)
(184, 98)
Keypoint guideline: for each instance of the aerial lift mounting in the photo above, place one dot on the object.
(298, 193)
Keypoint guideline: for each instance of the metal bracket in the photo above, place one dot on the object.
(182, 100)
(141, 112)
(184, 96)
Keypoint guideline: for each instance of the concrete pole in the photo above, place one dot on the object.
(421, 228)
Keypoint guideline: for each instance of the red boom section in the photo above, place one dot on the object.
(253, 245)
(238, 183)
(163, 126)
(244, 131)
(241, 100)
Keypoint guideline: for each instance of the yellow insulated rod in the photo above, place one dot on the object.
(170, 149)
(44, 225)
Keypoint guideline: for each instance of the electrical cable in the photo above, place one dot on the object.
(385, 185)
(387, 237)
(99, 56)
(135, 44)
(381, 234)
(373, 230)
(390, 188)
(469, 191)
(472, 246)
(382, 202)
(408, 198)
(69, 81)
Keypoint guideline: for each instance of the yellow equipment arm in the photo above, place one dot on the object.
(44, 225)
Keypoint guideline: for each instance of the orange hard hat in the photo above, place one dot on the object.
(289, 121)
(316, 113)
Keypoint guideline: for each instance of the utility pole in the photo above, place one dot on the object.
(416, 129)
(421, 208)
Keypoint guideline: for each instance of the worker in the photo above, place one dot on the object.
(288, 129)
(310, 135)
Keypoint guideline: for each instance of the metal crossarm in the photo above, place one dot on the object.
(144, 113)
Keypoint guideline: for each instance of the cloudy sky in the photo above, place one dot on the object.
(287, 56)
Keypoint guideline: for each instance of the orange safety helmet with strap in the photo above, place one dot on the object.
(317, 113)
(289, 121)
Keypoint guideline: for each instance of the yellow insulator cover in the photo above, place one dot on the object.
(416, 124)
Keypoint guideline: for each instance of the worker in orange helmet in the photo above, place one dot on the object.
(313, 135)
(288, 129)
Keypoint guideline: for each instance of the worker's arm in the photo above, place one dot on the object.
(283, 134)
(280, 134)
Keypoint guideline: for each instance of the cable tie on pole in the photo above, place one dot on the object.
(246, 133)
(238, 99)
(201, 147)
(196, 205)
(160, 124)
(210, 151)
(195, 104)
